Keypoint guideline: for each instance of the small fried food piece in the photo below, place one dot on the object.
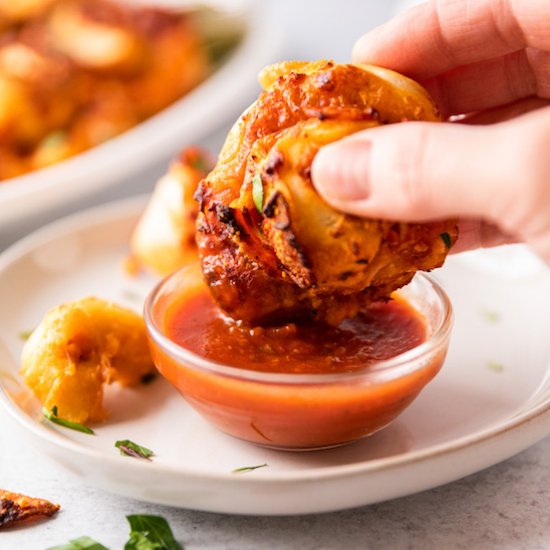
(271, 248)
(77, 349)
(164, 238)
(16, 508)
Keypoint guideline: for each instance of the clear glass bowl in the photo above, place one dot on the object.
(299, 411)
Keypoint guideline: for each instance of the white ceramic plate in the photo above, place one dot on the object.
(491, 400)
(156, 140)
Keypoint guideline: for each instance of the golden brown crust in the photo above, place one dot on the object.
(294, 254)
(164, 237)
(78, 348)
(16, 508)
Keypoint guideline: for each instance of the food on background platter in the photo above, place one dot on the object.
(16, 509)
(78, 348)
(270, 247)
(164, 237)
(75, 73)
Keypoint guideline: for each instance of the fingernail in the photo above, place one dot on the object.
(341, 171)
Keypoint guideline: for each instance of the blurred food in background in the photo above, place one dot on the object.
(164, 238)
(75, 73)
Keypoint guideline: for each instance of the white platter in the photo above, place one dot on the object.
(490, 401)
(216, 101)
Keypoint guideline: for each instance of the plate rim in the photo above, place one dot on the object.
(128, 209)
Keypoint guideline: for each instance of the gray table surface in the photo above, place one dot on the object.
(506, 506)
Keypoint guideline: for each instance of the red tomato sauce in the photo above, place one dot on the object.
(293, 413)
(383, 331)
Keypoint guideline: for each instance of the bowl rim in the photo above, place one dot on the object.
(414, 358)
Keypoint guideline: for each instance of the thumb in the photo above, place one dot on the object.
(420, 171)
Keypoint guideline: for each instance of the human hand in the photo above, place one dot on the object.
(492, 170)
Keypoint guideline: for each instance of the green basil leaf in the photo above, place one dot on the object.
(154, 529)
(138, 541)
(258, 192)
(52, 417)
(82, 543)
(129, 448)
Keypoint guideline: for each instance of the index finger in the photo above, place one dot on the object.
(438, 36)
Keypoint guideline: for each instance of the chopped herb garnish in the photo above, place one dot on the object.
(219, 50)
(54, 139)
(199, 163)
(52, 417)
(491, 316)
(129, 448)
(25, 335)
(248, 468)
(258, 192)
(148, 378)
(82, 543)
(132, 295)
(150, 533)
(494, 366)
(446, 238)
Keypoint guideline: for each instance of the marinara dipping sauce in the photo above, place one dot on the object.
(298, 386)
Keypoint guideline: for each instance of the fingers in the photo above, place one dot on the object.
(412, 171)
(474, 234)
(492, 83)
(439, 36)
(506, 112)
(421, 171)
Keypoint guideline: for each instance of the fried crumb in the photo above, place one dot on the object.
(16, 509)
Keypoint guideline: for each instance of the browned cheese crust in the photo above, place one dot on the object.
(274, 249)
(16, 508)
